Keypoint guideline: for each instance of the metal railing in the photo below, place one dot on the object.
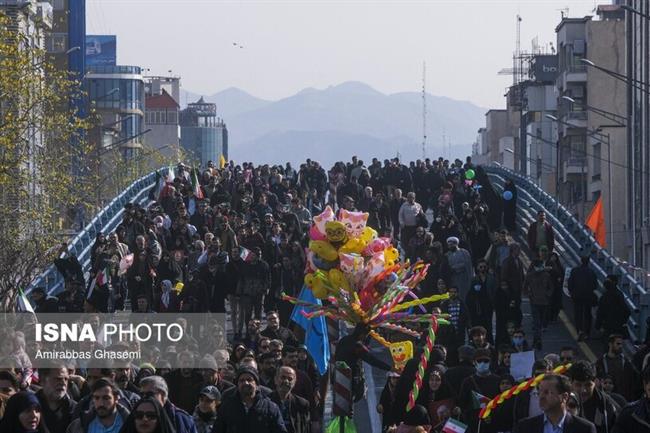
(572, 240)
(106, 221)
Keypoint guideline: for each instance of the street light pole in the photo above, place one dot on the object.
(620, 122)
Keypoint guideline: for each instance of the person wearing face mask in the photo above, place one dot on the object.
(519, 342)
(479, 299)
(539, 285)
(483, 382)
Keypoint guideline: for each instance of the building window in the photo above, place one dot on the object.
(58, 5)
(56, 43)
(172, 117)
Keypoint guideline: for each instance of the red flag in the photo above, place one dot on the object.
(596, 222)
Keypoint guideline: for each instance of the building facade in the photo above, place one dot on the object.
(117, 95)
(162, 118)
(592, 152)
(637, 25)
(204, 136)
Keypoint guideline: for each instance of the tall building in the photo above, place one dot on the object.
(117, 95)
(32, 20)
(203, 135)
(67, 41)
(539, 100)
(637, 24)
(162, 111)
(591, 145)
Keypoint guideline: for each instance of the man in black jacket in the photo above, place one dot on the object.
(455, 375)
(554, 392)
(57, 406)
(595, 405)
(247, 410)
(294, 409)
(582, 283)
(635, 417)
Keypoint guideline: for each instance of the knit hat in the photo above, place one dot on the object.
(453, 240)
(208, 362)
(247, 370)
(482, 354)
(466, 352)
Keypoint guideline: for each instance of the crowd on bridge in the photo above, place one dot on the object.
(232, 239)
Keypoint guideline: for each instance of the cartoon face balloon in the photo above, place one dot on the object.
(323, 218)
(401, 352)
(354, 222)
(351, 263)
(336, 232)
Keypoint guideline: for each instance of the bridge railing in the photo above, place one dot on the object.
(106, 221)
(573, 240)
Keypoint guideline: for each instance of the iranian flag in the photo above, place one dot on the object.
(23, 302)
(479, 400)
(160, 183)
(196, 186)
(100, 280)
(170, 174)
(454, 426)
(245, 254)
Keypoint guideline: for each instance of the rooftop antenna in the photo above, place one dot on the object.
(564, 12)
(444, 143)
(424, 110)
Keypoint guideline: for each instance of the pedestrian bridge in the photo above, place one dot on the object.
(572, 238)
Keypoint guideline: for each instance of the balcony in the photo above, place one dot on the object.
(574, 165)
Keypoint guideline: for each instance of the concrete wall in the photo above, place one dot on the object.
(606, 48)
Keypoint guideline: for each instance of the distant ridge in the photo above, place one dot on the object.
(341, 120)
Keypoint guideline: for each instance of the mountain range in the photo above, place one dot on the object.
(340, 121)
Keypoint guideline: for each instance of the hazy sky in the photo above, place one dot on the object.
(291, 45)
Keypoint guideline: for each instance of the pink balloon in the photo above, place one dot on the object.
(315, 235)
(376, 246)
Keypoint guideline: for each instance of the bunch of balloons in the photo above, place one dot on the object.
(361, 278)
(346, 254)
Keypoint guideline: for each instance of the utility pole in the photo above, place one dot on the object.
(424, 110)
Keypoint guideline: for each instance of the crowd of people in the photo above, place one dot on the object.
(231, 240)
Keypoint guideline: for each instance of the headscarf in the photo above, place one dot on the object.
(166, 292)
(165, 425)
(18, 403)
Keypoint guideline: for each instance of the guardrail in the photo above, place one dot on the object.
(104, 222)
(573, 240)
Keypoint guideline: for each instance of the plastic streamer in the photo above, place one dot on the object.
(523, 386)
(415, 303)
(422, 366)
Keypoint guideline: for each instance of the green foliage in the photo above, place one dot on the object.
(42, 153)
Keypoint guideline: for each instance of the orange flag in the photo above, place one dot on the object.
(596, 222)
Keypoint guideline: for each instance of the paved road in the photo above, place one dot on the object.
(558, 334)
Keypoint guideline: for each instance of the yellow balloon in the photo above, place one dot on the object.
(390, 256)
(353, 246)
(319, 292)
(309, 280)
(338, 280)
(368, 234)
(324, 250)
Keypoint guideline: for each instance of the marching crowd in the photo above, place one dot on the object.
(232, 239)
